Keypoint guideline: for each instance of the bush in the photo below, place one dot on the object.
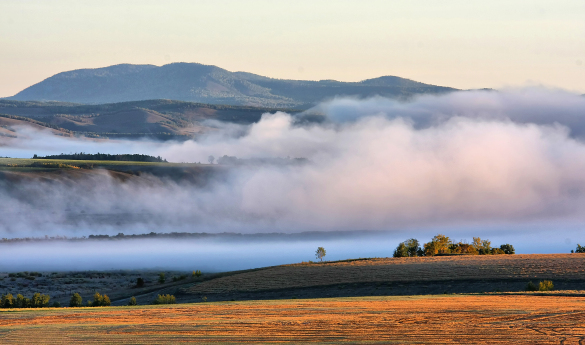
(139, 282)
(531, 287)
(546, 285)
(165, 299)
(161, 278)
(56, 305)
(507, 248)
(196, 273)
(75, 301)
(132, 301)
(100, 300)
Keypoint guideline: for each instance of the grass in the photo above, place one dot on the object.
(23, 162)
(382, 270)
(470, 319)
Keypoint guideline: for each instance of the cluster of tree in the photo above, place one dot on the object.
(172, 235)
(442, 244)
(98, 301)
(104, 157)
(546, 285)
(38, 300)
(181, 277)
(579, 249)
(196, 274)
(165, 299)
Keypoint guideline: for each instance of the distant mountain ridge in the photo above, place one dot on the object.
(193, 82)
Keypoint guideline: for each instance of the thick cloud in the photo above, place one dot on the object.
(472, 159)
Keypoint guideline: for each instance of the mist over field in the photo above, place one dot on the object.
(477, 163)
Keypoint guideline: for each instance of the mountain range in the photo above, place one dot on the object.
(193, 82)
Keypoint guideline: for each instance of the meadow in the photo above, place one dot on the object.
(448, 272)
(469, 319)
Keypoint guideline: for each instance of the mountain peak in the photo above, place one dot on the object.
(201, 83)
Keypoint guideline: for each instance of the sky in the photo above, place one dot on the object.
(458, 43)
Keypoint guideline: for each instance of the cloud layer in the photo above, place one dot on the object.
(468, 159)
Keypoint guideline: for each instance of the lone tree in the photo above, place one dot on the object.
(76, 300)
(161, 278)
(132, 301)
(320, 253)
(210, 159)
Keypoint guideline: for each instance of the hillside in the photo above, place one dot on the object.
(163, 119)
(399, 276)
(207, 84)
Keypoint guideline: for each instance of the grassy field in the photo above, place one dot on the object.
(490, 268)
(469, 319)
(10, 162)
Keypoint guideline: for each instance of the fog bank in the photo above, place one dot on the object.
(483, 161)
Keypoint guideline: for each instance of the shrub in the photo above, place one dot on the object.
(139, 282)
(100, 300)
(496, 251)
(76, 300)
(531, 287)
(507, 248)
(204, 298)
(196, 273)
(161, 278)
(132, 301)
(546, 285)
(56, 305)
(165, 299)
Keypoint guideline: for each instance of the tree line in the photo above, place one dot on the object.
(38, 300)
(105, 157)
(443, 245)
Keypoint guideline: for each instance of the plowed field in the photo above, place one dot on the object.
(475, 319)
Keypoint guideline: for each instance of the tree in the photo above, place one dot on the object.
(76, 300)
(507, 248)
(320, 253)
(401, 251)
(165, 299)
(196, 274)
(580, 249)
(438, 245)
(413, 247)
(132, 301)
(210, 159)
(161, 278)
(106, 301)
(56, 305)
(20, 301)
(139, 282)
(7, 301)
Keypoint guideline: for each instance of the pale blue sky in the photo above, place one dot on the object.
(459, 43)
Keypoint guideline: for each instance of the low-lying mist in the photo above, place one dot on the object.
(484, 161)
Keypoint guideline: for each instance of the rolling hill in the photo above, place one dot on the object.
(194, 82)
(163, 119)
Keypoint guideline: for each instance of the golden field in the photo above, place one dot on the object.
(468, 319)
